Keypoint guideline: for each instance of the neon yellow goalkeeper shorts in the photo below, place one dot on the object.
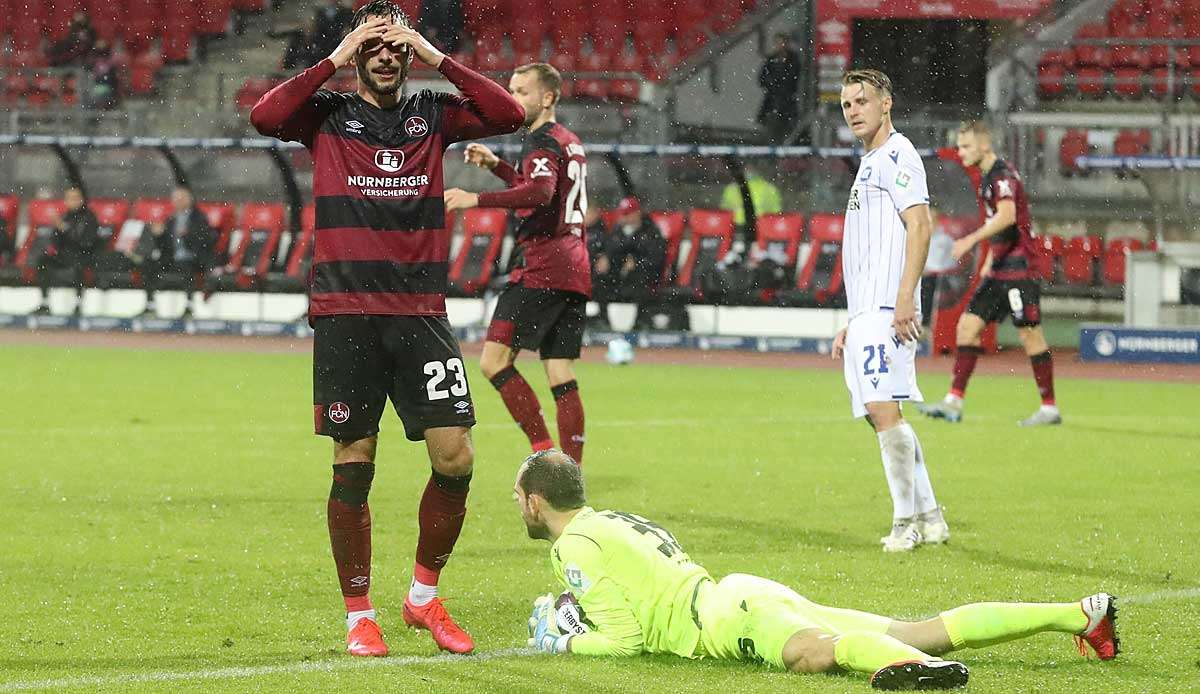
(750, 618)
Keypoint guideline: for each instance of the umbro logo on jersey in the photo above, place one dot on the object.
(894, 156)
(416, 126)
(355, 127)
(389, 160)
(541, 167)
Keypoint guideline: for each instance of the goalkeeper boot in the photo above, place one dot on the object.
(1101, 631)
(904, 537)
(366, 639)
(921, 674)
(1045, 416)
(950, 409)
(434, 617)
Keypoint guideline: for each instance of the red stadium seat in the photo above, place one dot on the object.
(1095, 56)
(43, 215)
(1052, 80)
(1074, 144)
(493, 61)
(9, 207)
(253, 252)
(177, 44)
(220, 217)
(251, 91)
(1079, 259)
(213, 17)
(1114, 258)
(1128, 82)
(1165, 85)
(152, 210)
(671, 224)
(821, 276)
(780, 235)
(650, 38)
(1047, 263)
(294, 277)
(1131, 143)
(627, 90)
(528, 38)
(712, 237)
(1090, 82)
(111, 214)
(593, 86)
(608, 34)
(482, 238)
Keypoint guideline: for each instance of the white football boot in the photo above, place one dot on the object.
(904, 538)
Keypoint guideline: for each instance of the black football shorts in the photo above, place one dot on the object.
(548, 320)
(1022, 299)
(359, 362)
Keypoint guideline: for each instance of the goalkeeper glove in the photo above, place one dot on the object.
(544, 635)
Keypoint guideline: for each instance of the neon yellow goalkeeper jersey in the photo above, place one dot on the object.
(636, 585)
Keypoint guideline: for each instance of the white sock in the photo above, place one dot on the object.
(420, 594)
(1050, 409)
(898, 447)
(926, 503)
(353, 617)
(953, 399)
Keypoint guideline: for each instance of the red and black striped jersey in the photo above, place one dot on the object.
(1013, 249)
(381, 243)
(551, 250)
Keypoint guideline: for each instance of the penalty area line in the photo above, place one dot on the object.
(350, 663)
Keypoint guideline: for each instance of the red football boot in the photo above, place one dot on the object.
(366, 639)
(1101, 631)
(434, 617)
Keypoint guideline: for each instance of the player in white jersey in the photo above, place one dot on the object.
(884, 245)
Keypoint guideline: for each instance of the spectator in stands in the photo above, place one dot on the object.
(442, 23)
(71, 251)
(763, 194)
(939, 263)
(330, 25)
(182, 246)
(633, 258)
(780, 82)
(77, 45)
(105, 93)
(299, 54)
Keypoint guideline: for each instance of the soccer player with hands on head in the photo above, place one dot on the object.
(885, 243)
(378, 293)
(630, 588)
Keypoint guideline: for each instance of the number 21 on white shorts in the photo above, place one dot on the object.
(878, 367)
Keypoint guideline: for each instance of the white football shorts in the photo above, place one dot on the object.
(879, 368)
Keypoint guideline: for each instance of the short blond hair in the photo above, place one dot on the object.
(977, 128)
(875, 78)
(547, 75)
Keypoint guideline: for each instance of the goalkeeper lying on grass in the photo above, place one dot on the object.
(632, 589)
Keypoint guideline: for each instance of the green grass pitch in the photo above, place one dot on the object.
(164, 524)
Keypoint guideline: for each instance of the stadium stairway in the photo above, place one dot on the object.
(197, 98)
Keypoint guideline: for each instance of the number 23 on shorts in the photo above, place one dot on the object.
(437, 372)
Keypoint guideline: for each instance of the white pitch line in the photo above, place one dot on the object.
(260, 670)
(363, 663)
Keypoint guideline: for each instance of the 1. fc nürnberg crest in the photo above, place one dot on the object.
(389, 160)
(339, 413)
(416, 126)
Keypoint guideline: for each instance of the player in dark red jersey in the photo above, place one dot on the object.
(378, 289)
(543, 306)
(1009, 286)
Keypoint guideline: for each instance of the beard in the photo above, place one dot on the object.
(368, 78)
(531, 115)
(537, 532)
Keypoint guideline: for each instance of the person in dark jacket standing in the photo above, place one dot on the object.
(72, 249)
(780, 81)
